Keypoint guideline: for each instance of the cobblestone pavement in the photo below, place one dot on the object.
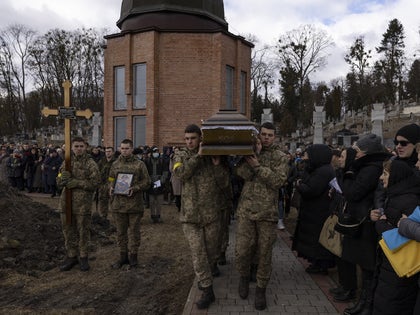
(291, 290)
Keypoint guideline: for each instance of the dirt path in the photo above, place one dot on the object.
(32, 247)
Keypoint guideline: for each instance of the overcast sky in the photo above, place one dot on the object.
(343, 20)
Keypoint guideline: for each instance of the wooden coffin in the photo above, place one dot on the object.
(228, 133)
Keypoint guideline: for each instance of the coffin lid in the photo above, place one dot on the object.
(228, 117)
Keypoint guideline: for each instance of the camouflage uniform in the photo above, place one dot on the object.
(103, 190)
(200, 212)
(226, 206)
(77, 235)
(128, 210)
(258, 212)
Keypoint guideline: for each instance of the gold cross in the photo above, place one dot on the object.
(67, 113)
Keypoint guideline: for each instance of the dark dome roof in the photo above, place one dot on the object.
(172, 15)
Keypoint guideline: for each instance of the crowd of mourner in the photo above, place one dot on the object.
(367, 191)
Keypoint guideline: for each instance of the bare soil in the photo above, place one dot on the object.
(32, 246)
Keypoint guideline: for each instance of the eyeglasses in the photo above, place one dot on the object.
(402, 143)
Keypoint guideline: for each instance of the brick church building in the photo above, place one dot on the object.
(173, 63)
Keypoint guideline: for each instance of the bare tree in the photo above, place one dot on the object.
(77, 56)
(262, 75)
(15, 42)
(304, 50)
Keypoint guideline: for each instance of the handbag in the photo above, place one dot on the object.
(329, 237)
(405, 260)
(295, 200)
(347, 224)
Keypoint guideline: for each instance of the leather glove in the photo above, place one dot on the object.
(65, 176)
(72, 183)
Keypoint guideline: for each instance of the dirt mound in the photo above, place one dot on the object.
(31, 238)
(32, 246)
(30, 233)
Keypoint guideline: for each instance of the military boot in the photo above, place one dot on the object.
(68, 263)
(260, 301)
(243, 287)
(122, 261)
(133, 260)
(207, 297)
(84, 264)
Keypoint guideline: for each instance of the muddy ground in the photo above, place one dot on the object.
(32, 246)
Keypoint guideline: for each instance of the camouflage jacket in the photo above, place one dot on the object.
(259, 197)
(140, 182)
(84, 169)
(104, 167)
(202, 186)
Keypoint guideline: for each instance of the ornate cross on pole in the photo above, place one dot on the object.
(67, 113)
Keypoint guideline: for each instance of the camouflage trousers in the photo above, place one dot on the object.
(103, 201)
(224, 230)
(254, 237)
(128, 231)
(77, 234)
(204, 246)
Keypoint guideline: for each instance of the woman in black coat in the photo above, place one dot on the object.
(359, 187)
(395, 295)
(314, 208)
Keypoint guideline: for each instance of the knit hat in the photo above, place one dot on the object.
(370, 143)
(411, 132)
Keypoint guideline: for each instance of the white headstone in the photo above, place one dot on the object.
(318, 119)
(378, 117)
(266, 116)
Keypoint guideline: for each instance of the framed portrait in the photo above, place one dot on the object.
(123, 183)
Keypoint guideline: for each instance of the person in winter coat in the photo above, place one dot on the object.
(51, 167)
(405, 141)
(175, 181)
(30, 167)
(347, 271)
(158, 172)
(395, 295)
(314, 208)
(411, 229)
(359, 188)
(257, 212)
(82, 180)
(37, 184)
(127, 206)
(15, 168)
(203, 178)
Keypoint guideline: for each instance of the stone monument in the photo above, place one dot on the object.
(318, 120)
(378, 117)
(266, 116)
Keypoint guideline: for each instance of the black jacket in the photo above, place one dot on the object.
(395, 295)
(359, 186)
(314, 207)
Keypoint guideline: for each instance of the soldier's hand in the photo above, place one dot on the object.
(72, 183)
(65, 176)
(216, 159)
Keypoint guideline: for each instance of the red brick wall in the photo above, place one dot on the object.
(185, 80)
